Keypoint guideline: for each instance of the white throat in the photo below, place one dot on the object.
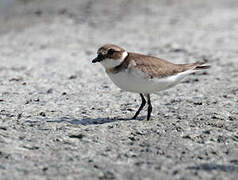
(111, 63)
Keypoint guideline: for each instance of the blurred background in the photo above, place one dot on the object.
(154, 26)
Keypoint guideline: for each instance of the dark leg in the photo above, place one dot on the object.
(149, 106)
(141, 106)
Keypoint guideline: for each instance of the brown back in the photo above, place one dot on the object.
(157, 67)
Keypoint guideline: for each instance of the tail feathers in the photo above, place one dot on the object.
(201, 66)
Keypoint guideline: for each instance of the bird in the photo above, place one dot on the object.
(142, 74)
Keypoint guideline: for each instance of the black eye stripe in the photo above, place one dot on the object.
(110, 51)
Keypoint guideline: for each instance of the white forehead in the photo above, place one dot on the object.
(101, 51)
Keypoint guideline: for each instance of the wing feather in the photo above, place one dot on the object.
(156, 67)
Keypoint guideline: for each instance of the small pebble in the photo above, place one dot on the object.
(42, 114)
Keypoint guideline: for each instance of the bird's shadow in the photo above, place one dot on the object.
(92, 121)
(213, 166)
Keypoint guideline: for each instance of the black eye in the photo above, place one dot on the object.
(110, 51)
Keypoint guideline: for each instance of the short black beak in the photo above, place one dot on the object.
(99, 58)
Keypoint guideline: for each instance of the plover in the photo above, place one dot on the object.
(142, 74)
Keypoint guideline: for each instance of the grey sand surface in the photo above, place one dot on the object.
(62, 118)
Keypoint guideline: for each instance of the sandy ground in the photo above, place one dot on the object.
(62, 118)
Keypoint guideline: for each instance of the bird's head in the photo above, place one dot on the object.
(110, 55)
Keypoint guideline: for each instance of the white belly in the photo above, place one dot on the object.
(137, 81)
